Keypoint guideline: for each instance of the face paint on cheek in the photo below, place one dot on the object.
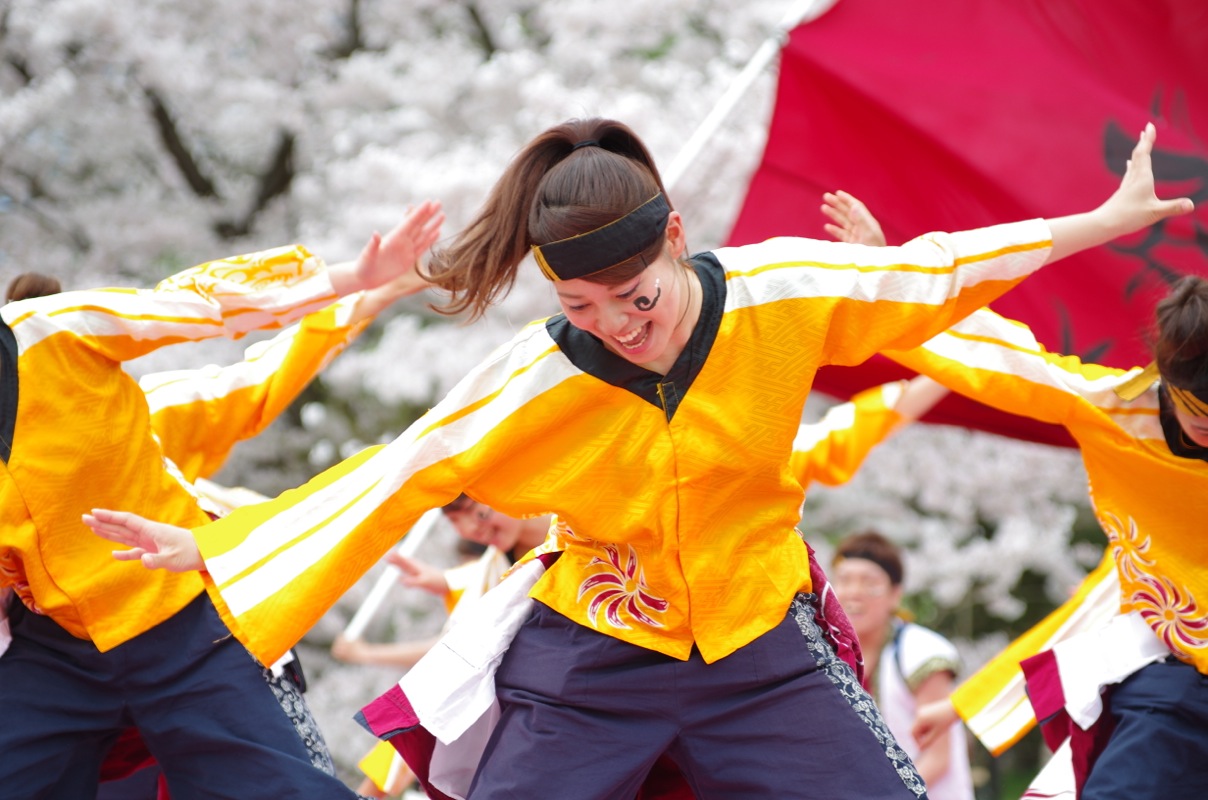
(644, 303)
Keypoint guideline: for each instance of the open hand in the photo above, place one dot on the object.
(393, 256)
(386, 258)
(157, 544)
(1135, 204)
(418, 575)
(851, 221)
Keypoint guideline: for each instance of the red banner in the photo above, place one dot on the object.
(954, 114)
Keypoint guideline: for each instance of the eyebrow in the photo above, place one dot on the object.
(569, 296)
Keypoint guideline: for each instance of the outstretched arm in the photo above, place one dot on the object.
(933, 720)
(418, 575)
(1133, 206)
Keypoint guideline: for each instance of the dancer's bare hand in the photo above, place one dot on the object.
(156, 544)
(1135, 204)
(395, 255)
(418, 575)
(851, 220)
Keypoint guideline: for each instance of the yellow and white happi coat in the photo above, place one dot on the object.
(77, 431)
(678, 488)
(199, 415)
(1149, 501)
(993, 701)
(831, 450)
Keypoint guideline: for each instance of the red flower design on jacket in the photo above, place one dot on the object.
(621, 591)
(1129, 547)
(1172, 613)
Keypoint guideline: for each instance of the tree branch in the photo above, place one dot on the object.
(352, 40)
(77, 238)
(169, 135)
(275, 180)
(482, 33)
(15, 61)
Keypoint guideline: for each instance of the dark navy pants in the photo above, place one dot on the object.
(780, 718)
(1159, 748)
(196, 695)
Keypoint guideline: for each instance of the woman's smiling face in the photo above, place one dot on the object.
(642, 318)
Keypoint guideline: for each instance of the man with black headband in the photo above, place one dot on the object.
(906, 665)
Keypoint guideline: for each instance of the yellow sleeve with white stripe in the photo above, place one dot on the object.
(868, 299)
(831, 450)
(993, 701)
(528, 423)
(274, 568)
(998, 362)
(199, 415)
(385, 767)
(228, 297)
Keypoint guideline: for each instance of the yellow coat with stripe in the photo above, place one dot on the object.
(1149, 501)
(678, 489)
(78, 433)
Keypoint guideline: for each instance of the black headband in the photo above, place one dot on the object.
(894, 571)
(607, 246)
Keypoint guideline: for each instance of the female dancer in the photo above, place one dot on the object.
(656, 416)
(1143, 436)
(95, 647)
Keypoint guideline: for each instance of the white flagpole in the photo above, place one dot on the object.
(386, 581)
(798, 13)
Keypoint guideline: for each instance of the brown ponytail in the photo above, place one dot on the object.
(1181, 334)
(552, 190)
(31, 284)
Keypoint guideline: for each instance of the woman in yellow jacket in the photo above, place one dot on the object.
(94, 648)
(1143, 434)
(828, 451)
(655, 416)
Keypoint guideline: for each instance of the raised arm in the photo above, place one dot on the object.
(998, 362)
(230, 297)
(1133, 206)
(199, 415)
(831, 450)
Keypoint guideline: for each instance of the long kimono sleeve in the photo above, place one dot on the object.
(999, 362)
(993, 701)
(831, 450)
(228, 297)
(853, 301)
(273, 569)
(199, 415)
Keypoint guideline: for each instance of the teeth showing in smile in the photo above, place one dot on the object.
(634, 339)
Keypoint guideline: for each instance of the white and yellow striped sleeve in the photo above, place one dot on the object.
(863, 300)
(832, 449)
(228, 297)
(993, 701)
(999, 362)
(199, 415)
(273, 569)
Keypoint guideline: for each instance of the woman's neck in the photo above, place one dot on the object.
(689, 315)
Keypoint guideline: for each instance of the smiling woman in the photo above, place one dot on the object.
(656, 417)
